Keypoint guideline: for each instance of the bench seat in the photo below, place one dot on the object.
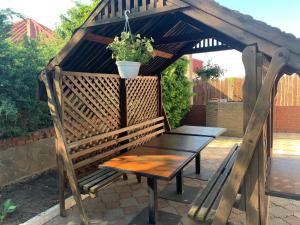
(97, 180)
(204, 207)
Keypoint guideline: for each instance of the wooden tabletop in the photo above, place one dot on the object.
(180, 142)
(151, 162)
(197, 130)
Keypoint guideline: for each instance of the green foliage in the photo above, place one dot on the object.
(6, 208)
(75, 17)
(210, 72)
(177, 91)
(130, 47)
(20, 64)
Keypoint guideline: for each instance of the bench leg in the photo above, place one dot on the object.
(125, 177)
(61, 187)
(139, 178)
(197, 163)
(152, 189)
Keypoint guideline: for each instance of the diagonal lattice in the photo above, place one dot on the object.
(90, 104)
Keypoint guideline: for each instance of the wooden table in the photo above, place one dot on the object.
(153, 163)
(198, 131)
(182, 143)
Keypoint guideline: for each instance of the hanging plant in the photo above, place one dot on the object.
(210, 72)
(130, 51)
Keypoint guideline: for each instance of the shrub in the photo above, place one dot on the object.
(177, 91)
(20, 63)
(7, 208)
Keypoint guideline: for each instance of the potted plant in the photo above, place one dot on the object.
(210, 72)
(130, 51)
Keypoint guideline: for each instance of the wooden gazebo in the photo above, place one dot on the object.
(91, 106)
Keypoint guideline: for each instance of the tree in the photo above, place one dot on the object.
(177, 91)
(20, 64)
(75, 17)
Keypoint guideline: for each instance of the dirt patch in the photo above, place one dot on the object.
(32, 196)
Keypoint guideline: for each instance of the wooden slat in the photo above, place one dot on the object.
(218, 186)
(107, 40)
(208, 188)
(120, 9)
(114, 141)
(116, 150)
(94, 176)
(105, 182)
(105, 135)
(98, 179)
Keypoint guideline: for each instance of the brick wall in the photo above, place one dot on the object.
(23, 157)
(287, 119)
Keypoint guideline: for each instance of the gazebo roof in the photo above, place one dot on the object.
(178, 28)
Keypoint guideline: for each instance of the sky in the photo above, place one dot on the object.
(282, 14)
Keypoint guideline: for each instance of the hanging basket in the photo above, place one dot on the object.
(130, 51)
(127, 69)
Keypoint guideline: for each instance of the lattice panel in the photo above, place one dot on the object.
(90, 104)
(142, 102)
(142, 99)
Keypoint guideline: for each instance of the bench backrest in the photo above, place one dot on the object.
(92, 115)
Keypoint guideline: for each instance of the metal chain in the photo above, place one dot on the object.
(127, 26)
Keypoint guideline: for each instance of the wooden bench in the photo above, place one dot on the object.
(205, 206)
(79, 158)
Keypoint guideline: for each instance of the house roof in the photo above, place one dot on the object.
(29, 28)
(178, 27)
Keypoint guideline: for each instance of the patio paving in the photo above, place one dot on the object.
(123, 200)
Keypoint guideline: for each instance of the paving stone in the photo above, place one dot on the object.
(123, 188)
(296, 202)
(183, 209)
(125, 195)
(292, 207)
(112, 204)
(280, 212)
(130, 210)
(128, 202)
(162, 203)
(169, 209)
(280, 201)
(110, 197)
(139, 192)
(278, 221)
(142, 199)
(297, 214)
(292, 220)
(113, 214)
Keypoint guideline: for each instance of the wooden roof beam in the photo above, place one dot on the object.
(207, 49)
(107, 40)
(202, 12)
(181, 38)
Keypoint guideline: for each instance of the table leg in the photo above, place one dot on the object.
(179, 184)
(152, 189)
(197, 164)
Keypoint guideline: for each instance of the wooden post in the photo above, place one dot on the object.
(251, 137)
(253, 186)
(60, 165)
(54, 108)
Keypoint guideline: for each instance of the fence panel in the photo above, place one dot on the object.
(231, 89)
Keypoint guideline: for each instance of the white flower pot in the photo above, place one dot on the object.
(127, 69)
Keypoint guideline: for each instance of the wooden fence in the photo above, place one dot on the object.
(231, 89)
